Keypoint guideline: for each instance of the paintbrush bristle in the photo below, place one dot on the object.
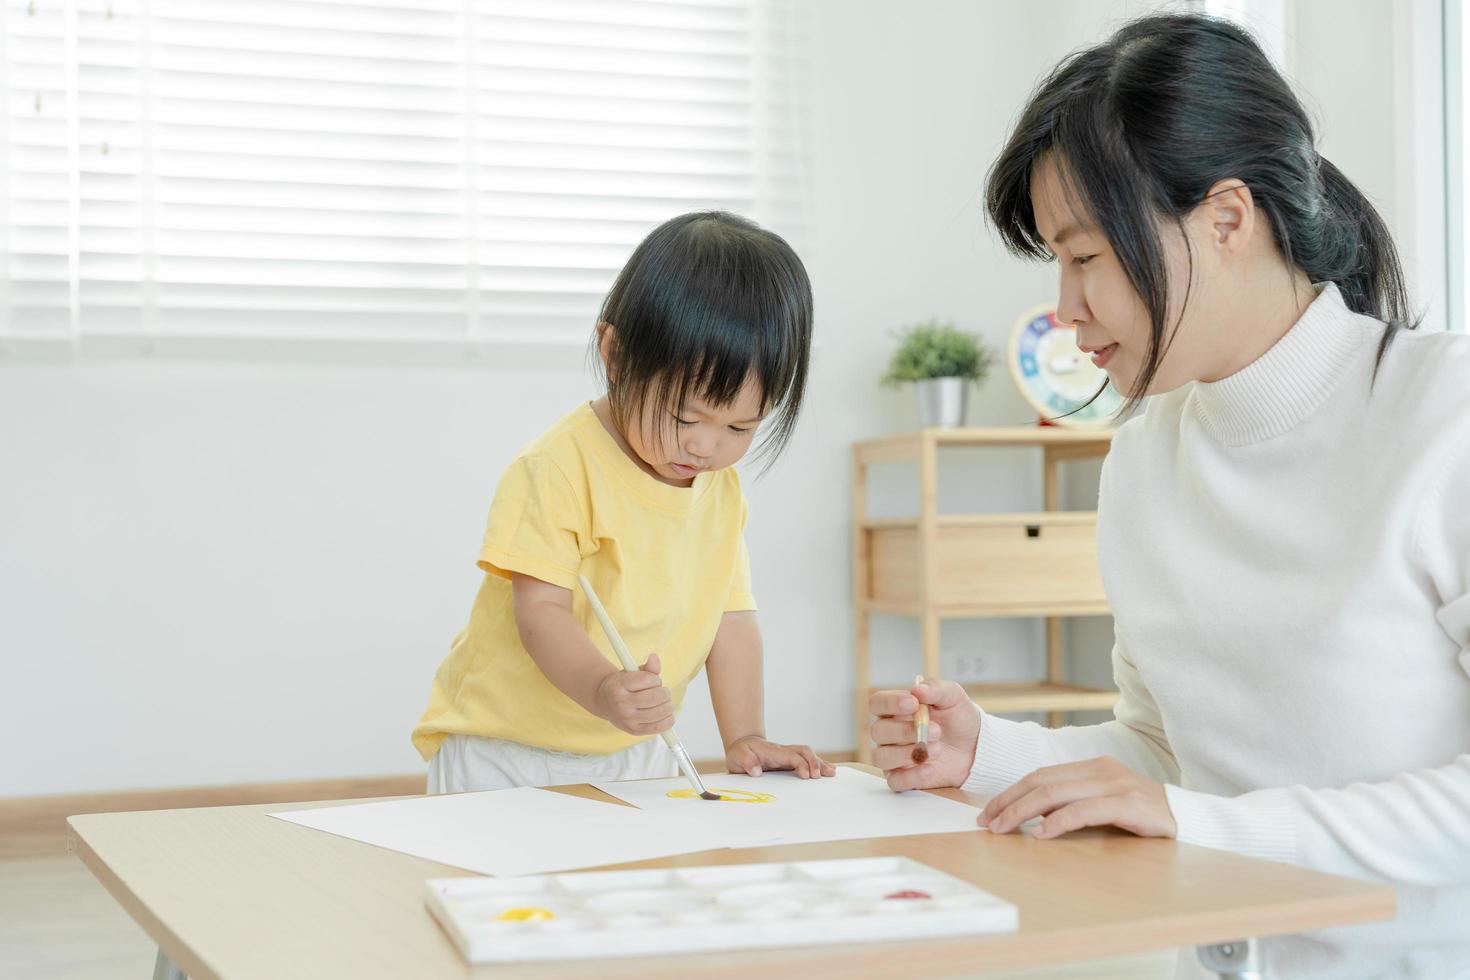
(707, 795)
(920, 755)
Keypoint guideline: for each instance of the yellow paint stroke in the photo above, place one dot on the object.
(725, 795)
(530, 914)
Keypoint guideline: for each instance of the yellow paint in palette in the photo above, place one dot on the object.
(724, 795)
(527, 914)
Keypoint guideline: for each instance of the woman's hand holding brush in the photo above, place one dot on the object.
(953, 732)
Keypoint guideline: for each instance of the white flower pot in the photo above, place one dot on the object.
(942, 402)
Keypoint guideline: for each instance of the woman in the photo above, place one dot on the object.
(1284, 533)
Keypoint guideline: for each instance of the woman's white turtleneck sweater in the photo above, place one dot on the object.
(1287, 556)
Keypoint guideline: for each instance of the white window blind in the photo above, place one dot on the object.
(424, 169)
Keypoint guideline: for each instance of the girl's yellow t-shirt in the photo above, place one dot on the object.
(666, 561)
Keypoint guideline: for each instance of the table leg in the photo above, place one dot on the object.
(1234, 960)
(165, 969)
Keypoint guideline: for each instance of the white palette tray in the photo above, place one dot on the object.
(716, 907)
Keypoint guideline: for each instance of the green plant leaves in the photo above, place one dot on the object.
(935, 349)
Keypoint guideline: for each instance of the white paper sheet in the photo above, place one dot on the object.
(848, 806)
(532, 831)
(522, 831)
(787, 788)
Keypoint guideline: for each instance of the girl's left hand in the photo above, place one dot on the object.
(1095, 793)
(753, 754)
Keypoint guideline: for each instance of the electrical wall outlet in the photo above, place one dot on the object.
(969, 667)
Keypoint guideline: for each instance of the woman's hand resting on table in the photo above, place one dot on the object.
(1096, 793)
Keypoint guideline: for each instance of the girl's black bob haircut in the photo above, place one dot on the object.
(1140, 128)
(706, 301)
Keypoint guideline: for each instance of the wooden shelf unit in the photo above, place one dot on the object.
(951, 566)
(1040, 696)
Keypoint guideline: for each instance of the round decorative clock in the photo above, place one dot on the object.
(1054, 376)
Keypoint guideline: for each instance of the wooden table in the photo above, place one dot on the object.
(230, 892)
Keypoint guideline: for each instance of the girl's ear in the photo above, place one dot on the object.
(607, 349)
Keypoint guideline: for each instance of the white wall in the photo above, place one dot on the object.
(223, 572)
(1373, 79)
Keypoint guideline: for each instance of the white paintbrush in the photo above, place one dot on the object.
(626, 659)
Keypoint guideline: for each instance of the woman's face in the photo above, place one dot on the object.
(1096, 296)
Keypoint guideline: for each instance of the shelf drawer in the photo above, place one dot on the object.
(1034, 561)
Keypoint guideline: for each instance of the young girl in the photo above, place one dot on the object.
(1284, 532)
(704, 338)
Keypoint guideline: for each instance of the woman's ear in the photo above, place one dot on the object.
(1228, 215)
(607, 349)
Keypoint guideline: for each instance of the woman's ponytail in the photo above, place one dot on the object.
(1352, 247)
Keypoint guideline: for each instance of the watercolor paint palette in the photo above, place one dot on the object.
(717, 907)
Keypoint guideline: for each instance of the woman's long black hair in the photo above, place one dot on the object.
(706, 301)
(1141, 127)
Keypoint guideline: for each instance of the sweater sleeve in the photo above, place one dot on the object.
(1412, 829)
(1009, 750)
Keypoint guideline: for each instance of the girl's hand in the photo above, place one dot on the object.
(954, 731)
(752, 755)
(636, 701)
(1094, 793)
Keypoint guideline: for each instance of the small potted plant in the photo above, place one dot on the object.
(942, 362)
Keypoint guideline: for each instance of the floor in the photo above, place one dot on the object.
(58, 923)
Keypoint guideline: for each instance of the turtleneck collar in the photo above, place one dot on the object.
(1285, 385)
